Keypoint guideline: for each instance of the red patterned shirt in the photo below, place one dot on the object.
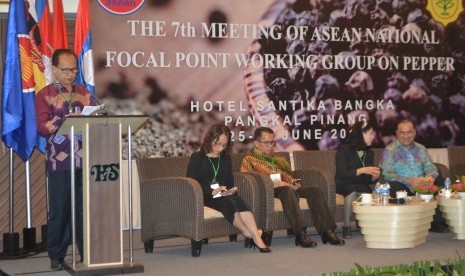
(51, 107)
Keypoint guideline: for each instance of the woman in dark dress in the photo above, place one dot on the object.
(212, 168)
(355, 170)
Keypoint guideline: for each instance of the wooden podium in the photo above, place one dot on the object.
(102, 192)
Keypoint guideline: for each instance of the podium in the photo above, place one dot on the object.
(102, 191)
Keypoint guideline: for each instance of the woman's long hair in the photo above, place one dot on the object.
(355, 137)
(213, 135)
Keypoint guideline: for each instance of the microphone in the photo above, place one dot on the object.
(102, 111)
(96, 101)
(399, 201)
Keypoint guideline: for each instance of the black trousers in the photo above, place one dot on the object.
(59, 216)
(321, 216)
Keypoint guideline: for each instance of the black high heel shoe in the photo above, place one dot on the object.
(262, 250)
(248, 243)
(267, 236)
(330, 236)
(304, 240)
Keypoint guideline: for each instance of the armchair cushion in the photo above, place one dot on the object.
(339, 199)
(209, 213)
(278, 206)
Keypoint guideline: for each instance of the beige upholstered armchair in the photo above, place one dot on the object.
(172, 204)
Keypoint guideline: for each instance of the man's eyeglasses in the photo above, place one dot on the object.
(66, 71)
(267, 143)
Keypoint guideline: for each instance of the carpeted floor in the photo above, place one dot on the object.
(219, 257)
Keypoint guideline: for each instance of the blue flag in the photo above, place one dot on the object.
(83, 47)
(19, 129)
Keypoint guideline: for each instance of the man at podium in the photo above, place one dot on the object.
(52, 104)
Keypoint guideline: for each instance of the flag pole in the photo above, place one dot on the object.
(131, 257)
(28, 195)
(12, 206)
(11, 239)
(73, 200)
(29, 232)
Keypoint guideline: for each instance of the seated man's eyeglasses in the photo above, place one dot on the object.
(267, 143)
(66, 71)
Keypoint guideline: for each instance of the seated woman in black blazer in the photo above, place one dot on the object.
(355, 171)
(212, 168)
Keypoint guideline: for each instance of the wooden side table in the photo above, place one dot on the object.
(453, 210)
(395, 226)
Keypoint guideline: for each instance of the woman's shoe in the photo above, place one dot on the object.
(267, 236)
(304, 240)
(248, 243)
(262, 250)
(330, 236)
(346, 232)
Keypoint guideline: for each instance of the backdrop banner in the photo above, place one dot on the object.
(308, 69)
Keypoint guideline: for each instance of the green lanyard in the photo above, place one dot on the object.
(215, 170)
(70, 100)
(268, 163)
(363, 157)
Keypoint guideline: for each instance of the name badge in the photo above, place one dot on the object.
(275, 177)
(215, 185)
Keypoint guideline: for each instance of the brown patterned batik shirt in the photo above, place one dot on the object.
(260, 162)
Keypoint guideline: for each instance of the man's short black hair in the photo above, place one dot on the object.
(59, 52)
(406, 121)
(258, 132)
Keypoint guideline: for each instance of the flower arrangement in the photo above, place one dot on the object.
(459, 186)
(460, 179)
(426, 189)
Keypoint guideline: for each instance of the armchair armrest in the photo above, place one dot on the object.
(266, 197)
(321, 178)
(248, 190)
(170, 206)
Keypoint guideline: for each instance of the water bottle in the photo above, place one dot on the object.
(447, 188)
(385, 193)
(377, 191)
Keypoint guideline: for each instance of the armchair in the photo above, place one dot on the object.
(172, 204)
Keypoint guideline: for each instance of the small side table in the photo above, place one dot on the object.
(395, 226)
(453, 210)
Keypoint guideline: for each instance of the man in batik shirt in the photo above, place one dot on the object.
(289, 190)
(406, 164)
(52, 104)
